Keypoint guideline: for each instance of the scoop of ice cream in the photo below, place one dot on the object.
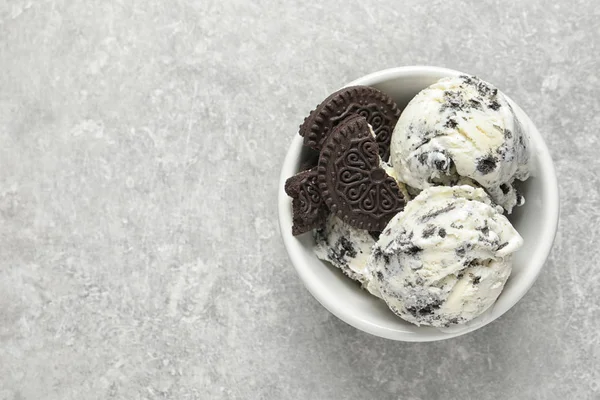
(346, 248)
(444, 259)
(462, 127)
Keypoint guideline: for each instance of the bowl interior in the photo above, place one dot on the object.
(536, 221)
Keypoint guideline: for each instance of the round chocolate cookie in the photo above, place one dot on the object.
(308, 209)
(380, 111)
(352, 183)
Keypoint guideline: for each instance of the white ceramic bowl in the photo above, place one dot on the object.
(536, 221)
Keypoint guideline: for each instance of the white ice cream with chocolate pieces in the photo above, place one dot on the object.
(346, 248)
(462, 127)
(445, 259)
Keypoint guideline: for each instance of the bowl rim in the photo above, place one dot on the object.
(318, 289)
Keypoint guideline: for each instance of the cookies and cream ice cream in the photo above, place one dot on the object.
(423, 230)
(445, 258)
(461, 127)
(345, 247)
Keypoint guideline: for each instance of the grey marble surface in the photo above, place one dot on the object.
(140, 147)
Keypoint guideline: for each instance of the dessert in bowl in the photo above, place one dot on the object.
(405, 196)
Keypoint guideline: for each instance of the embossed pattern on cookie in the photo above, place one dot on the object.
(352, 183)
(380, 111)
(308, 209)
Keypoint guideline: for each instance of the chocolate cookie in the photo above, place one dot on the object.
(352, 184)
(310, 159)
(377, 107)
(308, 209)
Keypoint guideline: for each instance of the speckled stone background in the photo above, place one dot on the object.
(140, 147)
